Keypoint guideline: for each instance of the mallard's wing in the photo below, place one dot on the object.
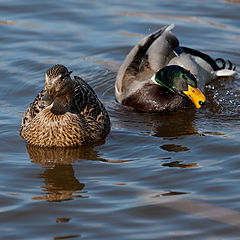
(151, 54)
(33, 109)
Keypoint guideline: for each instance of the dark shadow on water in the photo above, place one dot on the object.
(66, 237)
(58, 176)
(166, 125)
(68, 155)
(174, 148)
(60, 184)
(170, 193)
(180, 164)
(172, 125)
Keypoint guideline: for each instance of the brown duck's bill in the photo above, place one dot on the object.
(196, 96)
(46, 99)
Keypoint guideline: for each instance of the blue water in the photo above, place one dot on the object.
(171, 176)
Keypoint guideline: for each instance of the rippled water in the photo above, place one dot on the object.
(171, 176)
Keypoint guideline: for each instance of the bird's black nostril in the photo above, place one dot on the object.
(201, 103)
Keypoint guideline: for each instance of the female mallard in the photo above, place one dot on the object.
(66, 113)
(159, 75)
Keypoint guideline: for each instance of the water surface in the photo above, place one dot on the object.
(156, 176)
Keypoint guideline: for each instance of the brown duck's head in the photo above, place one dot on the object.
(58, 83)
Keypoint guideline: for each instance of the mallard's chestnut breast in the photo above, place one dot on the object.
(155, 98)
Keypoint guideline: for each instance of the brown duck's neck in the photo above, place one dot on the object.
(61, 105)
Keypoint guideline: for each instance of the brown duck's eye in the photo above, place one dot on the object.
(51, 91)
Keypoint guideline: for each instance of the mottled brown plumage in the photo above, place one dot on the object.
(66, 113)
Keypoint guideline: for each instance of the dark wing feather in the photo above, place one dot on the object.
(85, 99)
(33, 109)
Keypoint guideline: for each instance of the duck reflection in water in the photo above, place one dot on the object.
(60, 181)
(173, 125)
(63, 155)
(61, 184)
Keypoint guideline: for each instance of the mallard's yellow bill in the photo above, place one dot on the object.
(195, 95)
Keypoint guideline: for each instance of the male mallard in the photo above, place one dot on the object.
(159, 75)
(66, 113)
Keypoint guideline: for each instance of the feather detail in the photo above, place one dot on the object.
(84, 120)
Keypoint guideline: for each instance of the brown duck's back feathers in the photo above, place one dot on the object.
(87, 102)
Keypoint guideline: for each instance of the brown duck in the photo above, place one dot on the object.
(66, 113)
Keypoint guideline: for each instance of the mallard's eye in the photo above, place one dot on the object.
(51, 91)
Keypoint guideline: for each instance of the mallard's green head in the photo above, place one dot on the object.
(182, 82)
(58, 83)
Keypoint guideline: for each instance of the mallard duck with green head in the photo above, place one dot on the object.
(66, 113)
(160, 75)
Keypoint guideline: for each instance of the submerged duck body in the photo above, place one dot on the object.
(136, 85)
(66, 113)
